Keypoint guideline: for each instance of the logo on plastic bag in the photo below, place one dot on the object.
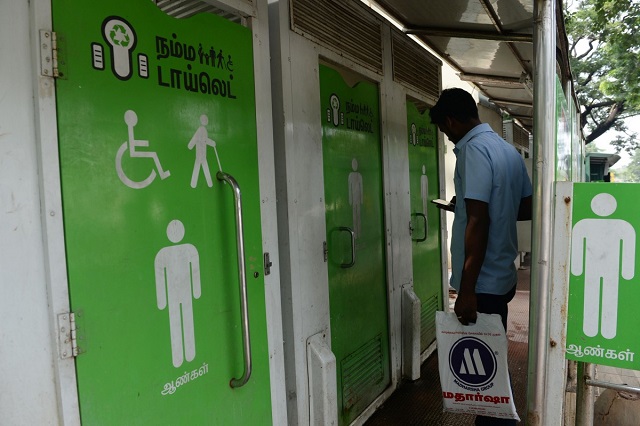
(472, 362)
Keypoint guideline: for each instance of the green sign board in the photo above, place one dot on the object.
(352, 164)
(603, 320)
(425, 218)
(149, 109)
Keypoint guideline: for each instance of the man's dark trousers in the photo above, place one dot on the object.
(494, 304)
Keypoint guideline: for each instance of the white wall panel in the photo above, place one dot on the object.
(27, 392)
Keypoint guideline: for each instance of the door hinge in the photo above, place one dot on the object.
(48, 54)
(325, 251)
(267, 264)
(68, 335)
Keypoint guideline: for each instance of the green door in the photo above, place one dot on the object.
(425, 219)
(150, 108)
(355, 238)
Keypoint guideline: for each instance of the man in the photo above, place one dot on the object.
(493, 191)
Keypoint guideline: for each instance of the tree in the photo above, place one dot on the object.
(604, 40)
(631, 172)
(592, 148)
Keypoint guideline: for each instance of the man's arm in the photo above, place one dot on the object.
(476, 237)
(525, 210)
(161, 279)
(194, 264)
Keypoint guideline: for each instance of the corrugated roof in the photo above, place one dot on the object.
(489, 41)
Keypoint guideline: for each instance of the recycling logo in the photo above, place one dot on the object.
(119, 36)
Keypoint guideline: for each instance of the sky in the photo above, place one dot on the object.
(603, 142)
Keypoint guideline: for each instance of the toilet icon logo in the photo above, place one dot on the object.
(121, 41)
(334, 114)
(413, 138)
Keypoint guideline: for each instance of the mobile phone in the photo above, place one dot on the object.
(443, 204)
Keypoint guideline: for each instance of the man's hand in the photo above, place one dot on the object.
(466, 308)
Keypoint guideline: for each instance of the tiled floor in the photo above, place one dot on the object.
(419, 403)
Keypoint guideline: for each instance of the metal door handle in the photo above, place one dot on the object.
(419, 240)
(246, 340)
(353, 246)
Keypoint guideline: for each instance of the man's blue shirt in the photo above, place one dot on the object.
(489, 169)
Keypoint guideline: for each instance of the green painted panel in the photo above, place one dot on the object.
(147, 115)
(603, 320)
(424, 187)
(353, 199)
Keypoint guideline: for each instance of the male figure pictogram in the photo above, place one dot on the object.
(200, 140)
(602, 249)
(177, 270)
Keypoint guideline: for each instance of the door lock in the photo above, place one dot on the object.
(267, 264)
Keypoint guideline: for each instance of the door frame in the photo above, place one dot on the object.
(444, 268)
(393, 206)
(301, 194)
(55, 260)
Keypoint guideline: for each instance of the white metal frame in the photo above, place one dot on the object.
(52, 219)
(556, 367)
(543, 178)
(301, 193)
(393, 282)
(444, 267)
(266, 168)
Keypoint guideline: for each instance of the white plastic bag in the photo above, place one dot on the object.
(472, 361)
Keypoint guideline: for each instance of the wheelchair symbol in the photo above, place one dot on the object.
(131, 119)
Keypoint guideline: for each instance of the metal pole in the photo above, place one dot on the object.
(613, 386)
(585, 395)
(543, 180)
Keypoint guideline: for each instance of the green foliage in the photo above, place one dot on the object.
(604, 37)
(630, 173)
(592, 147)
